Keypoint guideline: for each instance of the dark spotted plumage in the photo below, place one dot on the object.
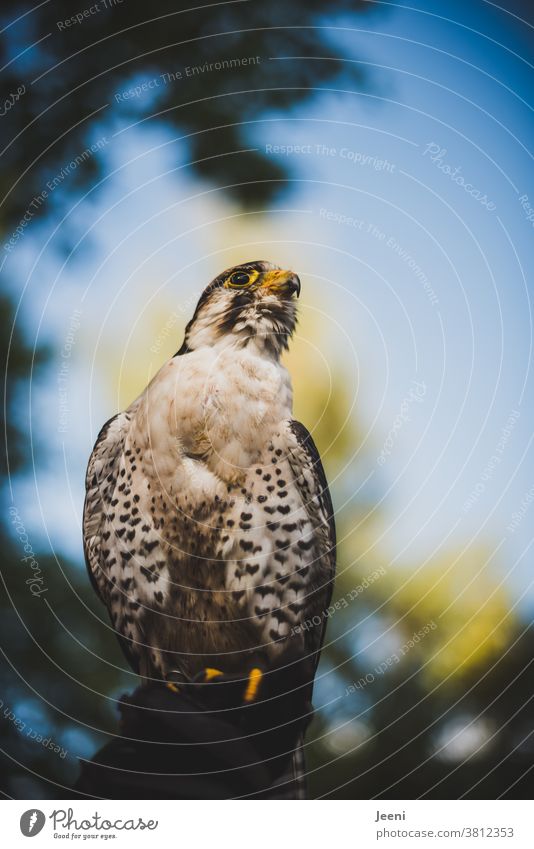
(208, 526)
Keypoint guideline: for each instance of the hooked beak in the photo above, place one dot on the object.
(284, 283)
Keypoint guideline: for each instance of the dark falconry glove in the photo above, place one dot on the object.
(218, 736)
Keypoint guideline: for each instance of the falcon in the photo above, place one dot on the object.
(208, 526)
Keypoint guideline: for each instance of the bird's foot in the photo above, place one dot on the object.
(252, 691)
(174, 680)
(209, 674)
(218, 688)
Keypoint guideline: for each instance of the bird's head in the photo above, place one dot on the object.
(253, 302)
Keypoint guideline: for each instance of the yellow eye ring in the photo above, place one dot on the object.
(239, 278)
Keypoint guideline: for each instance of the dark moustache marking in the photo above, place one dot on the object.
(256, 265)
(280, 313)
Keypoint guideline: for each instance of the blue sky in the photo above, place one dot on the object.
(374, 194)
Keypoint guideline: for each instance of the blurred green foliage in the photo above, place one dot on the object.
(75, 79)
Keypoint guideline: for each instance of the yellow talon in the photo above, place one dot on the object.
(172, 687)
(210, 673)
(254, 680)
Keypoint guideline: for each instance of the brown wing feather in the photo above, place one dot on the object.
(100, 483)
(311, 480)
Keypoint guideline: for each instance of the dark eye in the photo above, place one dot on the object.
(239, 278)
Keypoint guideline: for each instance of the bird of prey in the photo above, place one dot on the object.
(208, 526)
